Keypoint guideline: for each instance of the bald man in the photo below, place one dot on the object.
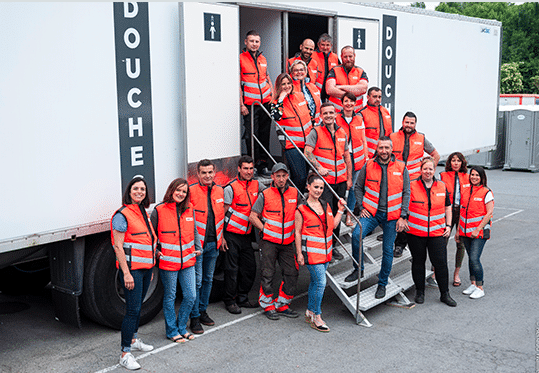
(306, 50)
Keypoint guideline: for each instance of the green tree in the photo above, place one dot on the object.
(511, 78)
(418, 4)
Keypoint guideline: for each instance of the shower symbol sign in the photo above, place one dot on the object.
(212, 27)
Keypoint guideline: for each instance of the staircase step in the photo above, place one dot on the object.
(367, 299)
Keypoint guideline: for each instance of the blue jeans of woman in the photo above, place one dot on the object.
(133, 304)
(316, 287)
(204, 267)
(298, 168)
(351, 203)
(175, 325)
(474, 248)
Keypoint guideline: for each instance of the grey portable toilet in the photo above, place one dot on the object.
(493, 158)
(522, 139)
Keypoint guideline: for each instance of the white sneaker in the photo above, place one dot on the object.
(477, 293)
(469, 290)
(129, 362)
(141, 346)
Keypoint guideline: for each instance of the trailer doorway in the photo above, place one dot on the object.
(304, 26)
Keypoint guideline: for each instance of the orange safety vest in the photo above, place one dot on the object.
(395, 186)
(278, 215)
(312, 68)
(448, 177)
(245, 194)
(315, 93)
(342, 78)
(371, 118)
(415, 154)
(333, 60)
(424, 221)
(199, 199)
(316, 235)
(176, 236)
(254, 78)
(296, 120)
(329, 152)
(355, 131)
(139, 238)
(472, 211)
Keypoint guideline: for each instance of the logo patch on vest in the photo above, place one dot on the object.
(263, 64)
(477, 199)
(255, 194)
(302, 103)
(397, 173)
(465, 185)
(291, 201)
(219, 200)
(188, 219)
(341, 139)
(354, 77)
(418, 143)
(440, 194)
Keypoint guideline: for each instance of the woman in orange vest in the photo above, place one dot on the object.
(428, 225)
(456, 180)
(174, 222)
(291, 111)
(476, 206)
(311, 93)
(314, 226)
(134, 241)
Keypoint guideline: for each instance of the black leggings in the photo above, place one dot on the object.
(437, 249)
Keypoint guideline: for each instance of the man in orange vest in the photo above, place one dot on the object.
(383, 194)
(326, 60)
(255, 86)
(208, 201)
(326, 148)
(305, 53)
(273, 214)
(347, 78)
(376, 118)
(409, 146)
(238, 256)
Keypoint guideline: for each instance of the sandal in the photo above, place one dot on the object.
(348, 221)
(321, 328)
(178, 339)
(456, 283)
(308, 317)
(188, 336)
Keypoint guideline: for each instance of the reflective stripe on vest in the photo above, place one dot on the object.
(352, 78)
(278, 215)
(371, 119)
(472, 211)
(254, 79)
(395, 185)
(245, 193)
(330, 153)
(199, 199)
(425, 222)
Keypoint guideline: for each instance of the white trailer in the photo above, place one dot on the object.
(92, 94)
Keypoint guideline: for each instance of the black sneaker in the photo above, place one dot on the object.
(337, 255)
(195, 326)
(380, 237)
(352, 276)
(397, 253)
(272, 315)
(288, 313)
(205, 319)
(446, 298)
(248, 304)
(380, 292)
(233, 308)
(419, 297)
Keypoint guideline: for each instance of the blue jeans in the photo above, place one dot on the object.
(474, 248)
(351, 203)
(204, 267)
(133, 304)
(298, 168)
(316, 287)
(389, 228)
(186, 278)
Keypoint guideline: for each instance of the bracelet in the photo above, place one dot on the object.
(340, 212)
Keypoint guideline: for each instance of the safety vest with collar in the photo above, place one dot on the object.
(278, 214)
(139, 238)
(395, 186)
(329, 152)
(316, 234)
(176, 235)
(199, 199)
(312, 68)
(472, 211)
(353, 77)
(315, 93)
(254, 77)
(448, 177)
(245, 194)
(332, 61)
(296, 120)
(416, 145)
(355, 131)
(372, 117)
(427, 212)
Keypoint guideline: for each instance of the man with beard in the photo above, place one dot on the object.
(347, 77)
(306, 50)
(383, 192)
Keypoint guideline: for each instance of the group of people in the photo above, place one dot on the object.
(318, 106)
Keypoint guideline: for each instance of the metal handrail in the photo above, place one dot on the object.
(253, 137)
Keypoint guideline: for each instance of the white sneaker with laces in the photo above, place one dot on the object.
(129, 362)
(141, 346)
(469, 290)
(477, 293)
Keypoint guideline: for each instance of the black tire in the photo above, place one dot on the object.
(25, 278)
(102, 296)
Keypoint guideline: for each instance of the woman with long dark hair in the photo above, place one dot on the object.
(476, 206)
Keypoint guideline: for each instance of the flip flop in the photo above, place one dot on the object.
(456, 283)
(178, 339)
(188, 336)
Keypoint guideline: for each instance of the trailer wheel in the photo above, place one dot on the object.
(102, 299)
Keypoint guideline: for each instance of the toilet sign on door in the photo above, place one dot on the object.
(358, 38)
(212, 27)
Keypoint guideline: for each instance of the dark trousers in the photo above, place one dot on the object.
(239, 266)
(437, 250)
(262, 127)
(328, 196)
(270, 254)
(401, 240)
(133, 304)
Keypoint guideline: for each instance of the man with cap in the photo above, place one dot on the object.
(273, 215)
